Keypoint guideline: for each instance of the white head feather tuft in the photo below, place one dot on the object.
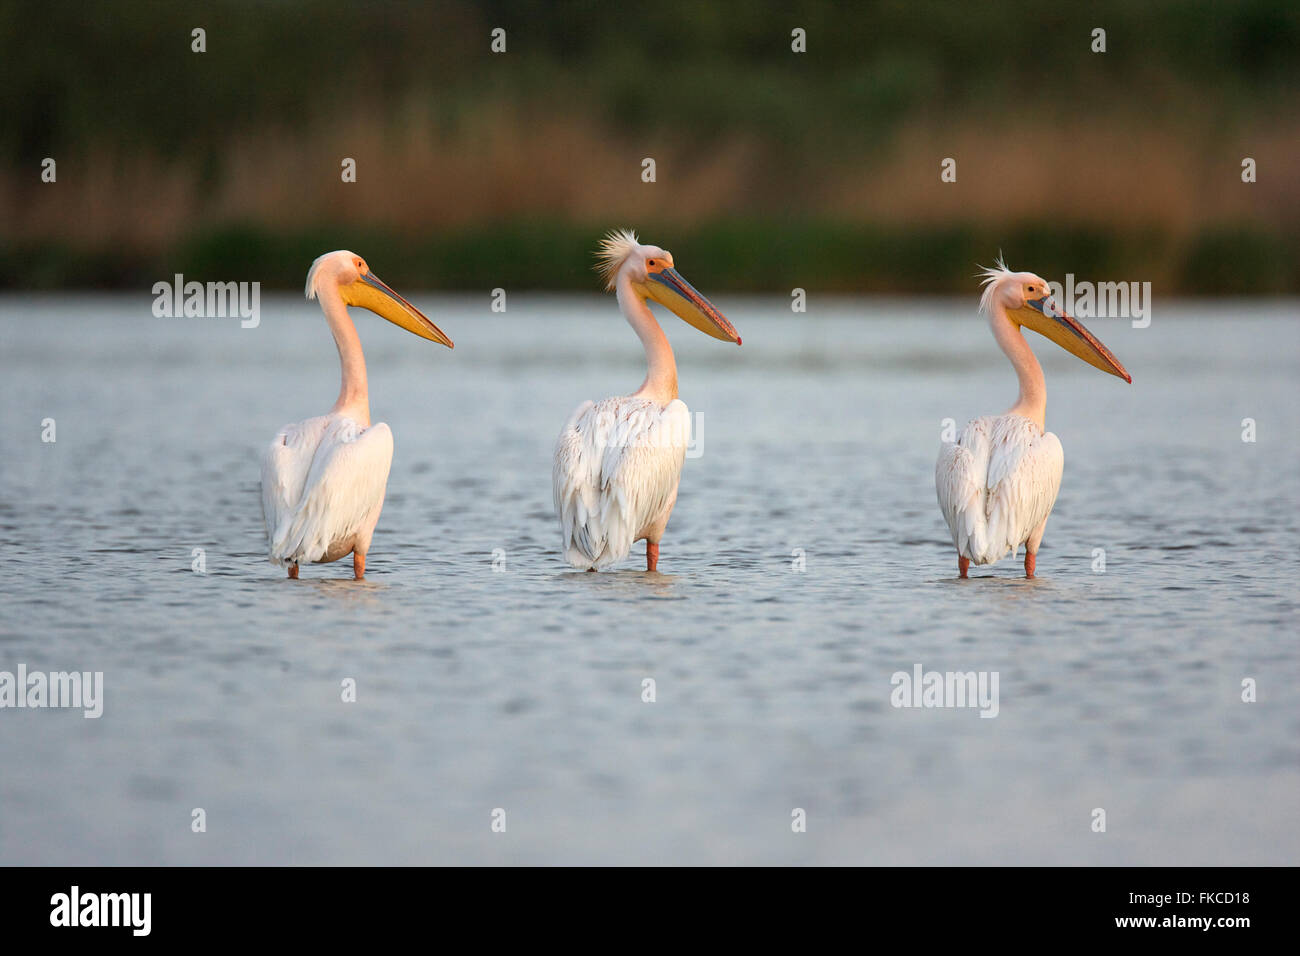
(310, 291)
(614, 249)
(990, 278)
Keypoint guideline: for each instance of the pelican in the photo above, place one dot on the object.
(618, 461)
(997, 483)
(323, 479)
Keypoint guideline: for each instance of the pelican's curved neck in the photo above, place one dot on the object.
(1032, 403)
(661, 368)
(354, 393)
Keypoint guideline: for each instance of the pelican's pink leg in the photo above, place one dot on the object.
(963, 565)
(651, 556)
(358, 565)
(1030, 561)
(293, 572)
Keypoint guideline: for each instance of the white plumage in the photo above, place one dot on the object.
(323, 479)
(997, 484)
(617, 466)
(618, 461)
(323, 483)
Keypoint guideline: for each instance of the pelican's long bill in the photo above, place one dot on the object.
(371, 292)
(670, 289)
(1046, 318)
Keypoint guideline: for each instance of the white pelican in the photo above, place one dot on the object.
(998, 482)
(618, 461)
(323, 480)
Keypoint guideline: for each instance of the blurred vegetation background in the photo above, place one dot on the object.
(774, 169)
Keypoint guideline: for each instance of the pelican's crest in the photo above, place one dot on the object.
(990, 278)
(310, 291)
(614, 249)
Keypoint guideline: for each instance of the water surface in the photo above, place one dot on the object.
(521, 688)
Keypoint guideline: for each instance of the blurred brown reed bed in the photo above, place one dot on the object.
(1109, 173)
(789, 169)
(497, 200)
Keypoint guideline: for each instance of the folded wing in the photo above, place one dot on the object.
(323, 482)
(617, 466)
(996, 484)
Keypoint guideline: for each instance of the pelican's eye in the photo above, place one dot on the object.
(650, 263)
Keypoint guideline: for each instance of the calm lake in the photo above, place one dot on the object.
(490, 675)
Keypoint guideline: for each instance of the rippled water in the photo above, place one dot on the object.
(521, 689)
